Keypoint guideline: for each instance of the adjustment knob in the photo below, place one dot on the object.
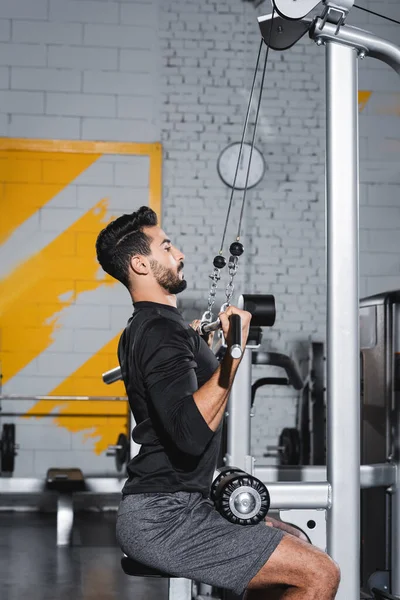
(219, 262)
(236, 249)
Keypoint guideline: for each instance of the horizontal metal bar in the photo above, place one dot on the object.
(206, 327)
(93, 485)
(379, 475)
(112, 375)
(365, 41)
(300, 495)
(63, 398)
(283, 495)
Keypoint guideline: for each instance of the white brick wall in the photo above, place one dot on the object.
(180, 71)
(94, 64)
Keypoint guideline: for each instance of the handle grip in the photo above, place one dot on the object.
(235, 349)
(206, 328)
(235, 321)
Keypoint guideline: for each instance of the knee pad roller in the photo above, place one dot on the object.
(239, 497)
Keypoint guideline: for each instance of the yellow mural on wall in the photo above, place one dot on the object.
(32, 297)
(36, 290)
(31, 179)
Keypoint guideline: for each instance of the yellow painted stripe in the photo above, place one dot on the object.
(30, 180)
(363, 98)
(87, 381)
(33, 295)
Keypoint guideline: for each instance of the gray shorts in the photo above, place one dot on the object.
(182, 534)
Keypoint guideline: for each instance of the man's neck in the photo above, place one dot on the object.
(167, 299)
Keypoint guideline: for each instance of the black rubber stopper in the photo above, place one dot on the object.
(236, 249)
(219, 262)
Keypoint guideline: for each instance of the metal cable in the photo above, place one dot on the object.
(255, 127)
(241, 147)
(371, 12)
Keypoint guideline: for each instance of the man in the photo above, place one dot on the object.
(178, 392)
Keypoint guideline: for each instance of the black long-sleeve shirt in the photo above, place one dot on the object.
(163, 362)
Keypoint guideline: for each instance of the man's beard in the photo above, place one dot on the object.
(167, 279)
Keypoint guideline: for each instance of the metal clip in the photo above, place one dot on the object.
(334, 16)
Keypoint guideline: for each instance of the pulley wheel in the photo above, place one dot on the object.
(8, 448)
(223, 472)
(242, 499)
(121, 451)
(289, 447)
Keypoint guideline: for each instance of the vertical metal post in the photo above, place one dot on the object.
(238, 441)
(395, 562)
(343, 346)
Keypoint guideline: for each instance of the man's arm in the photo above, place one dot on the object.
(189, 415)
(212, 397)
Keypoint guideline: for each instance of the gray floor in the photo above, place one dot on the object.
(32, 568)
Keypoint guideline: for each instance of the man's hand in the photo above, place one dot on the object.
(245, 319)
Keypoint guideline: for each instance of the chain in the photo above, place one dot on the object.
(233, 267)
(215, 277)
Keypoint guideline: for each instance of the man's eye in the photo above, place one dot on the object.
(168, 248)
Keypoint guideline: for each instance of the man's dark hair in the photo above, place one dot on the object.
(122, 239)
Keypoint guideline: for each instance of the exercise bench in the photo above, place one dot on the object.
(65, 482)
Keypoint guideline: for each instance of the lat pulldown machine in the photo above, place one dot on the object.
(338, 497)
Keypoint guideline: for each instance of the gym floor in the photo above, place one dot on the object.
(32, 567)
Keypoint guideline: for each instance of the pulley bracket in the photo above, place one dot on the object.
(284, 34)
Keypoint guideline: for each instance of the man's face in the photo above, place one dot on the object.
(166, 261)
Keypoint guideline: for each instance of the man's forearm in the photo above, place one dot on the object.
(212, 397)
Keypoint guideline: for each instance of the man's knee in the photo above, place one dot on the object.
(321, 577)
(324, 572)
(299, 564)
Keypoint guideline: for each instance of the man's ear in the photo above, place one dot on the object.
(139, 265)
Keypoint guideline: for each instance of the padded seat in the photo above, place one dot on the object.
(65, 480)
(137, 569)
(178, 587)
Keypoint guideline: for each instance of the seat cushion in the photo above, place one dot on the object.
(65, 480)
(135, 568)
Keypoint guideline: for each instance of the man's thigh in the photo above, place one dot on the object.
(182, 534)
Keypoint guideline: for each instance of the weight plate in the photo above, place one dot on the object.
(223, 472)
(121, 452)
(289, 444)
(8, 448)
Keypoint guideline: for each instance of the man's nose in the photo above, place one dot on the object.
(179, 256)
